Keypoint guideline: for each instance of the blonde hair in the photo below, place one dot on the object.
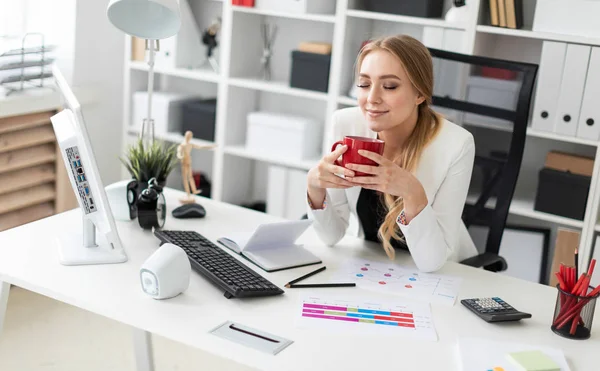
(417, 62)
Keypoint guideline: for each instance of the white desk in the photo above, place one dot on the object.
(28, 258)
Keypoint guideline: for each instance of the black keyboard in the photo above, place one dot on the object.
(222, 269)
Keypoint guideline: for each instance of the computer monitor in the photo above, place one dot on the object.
(95, 240)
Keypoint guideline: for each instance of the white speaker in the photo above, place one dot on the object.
(122, 197)
(166, 273)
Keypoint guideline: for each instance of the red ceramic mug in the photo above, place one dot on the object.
(355, 144)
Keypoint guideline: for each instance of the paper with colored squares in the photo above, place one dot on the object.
(366, 316)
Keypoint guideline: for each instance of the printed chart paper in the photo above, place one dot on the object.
(367, 317)
(394, 279)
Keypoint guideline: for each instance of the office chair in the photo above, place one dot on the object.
(499, 169)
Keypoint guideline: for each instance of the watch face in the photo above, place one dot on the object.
(161, 210)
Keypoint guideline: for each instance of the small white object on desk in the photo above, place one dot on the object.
(166, 273)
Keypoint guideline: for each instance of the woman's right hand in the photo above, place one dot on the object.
(322, 176)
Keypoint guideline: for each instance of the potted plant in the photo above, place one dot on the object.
(154, 160)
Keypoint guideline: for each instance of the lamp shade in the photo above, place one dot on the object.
(146, 19)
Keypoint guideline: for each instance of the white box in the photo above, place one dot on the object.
(166, 110)
(298, 6)
(286, 192)
(492, 92)
(571, 17)
(287, 136)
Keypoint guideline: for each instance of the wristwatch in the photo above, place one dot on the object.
(151, 206)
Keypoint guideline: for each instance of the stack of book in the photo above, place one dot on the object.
(506, 13)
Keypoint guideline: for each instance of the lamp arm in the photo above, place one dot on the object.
(148, 126)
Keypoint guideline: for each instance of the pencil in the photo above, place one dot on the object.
(305, 276)
(576, 263)
(321, 285)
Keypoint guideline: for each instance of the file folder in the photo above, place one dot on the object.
(571, 89)
(548, 85)
(589, 118)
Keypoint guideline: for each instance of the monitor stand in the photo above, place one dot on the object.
(83, 248)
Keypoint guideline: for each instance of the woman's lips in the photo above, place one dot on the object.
(375, 113)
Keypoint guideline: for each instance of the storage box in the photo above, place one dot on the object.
(285, 136)
(199, 117)
(572, 163)
(298, 6)
(572, 17)
(562, 193)
(415, 8)
(166, 110)
(492, 92)
(310, 71)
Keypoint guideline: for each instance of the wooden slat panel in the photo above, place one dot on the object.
(27, 157)
(26, 178)
(16, 123)
(27, 215)
(26, 138)
(26, 197)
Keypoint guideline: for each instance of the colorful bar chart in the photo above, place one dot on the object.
(350, 314)
(340, 314)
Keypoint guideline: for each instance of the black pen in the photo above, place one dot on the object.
(321, 285)
(305, 276)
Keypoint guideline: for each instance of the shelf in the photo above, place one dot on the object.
(241, 151)
(26, 138)
(279, 87)
(26, 197)
(563, 138)
(27, 215)
(274, 13)
(534, 133)
(26, 178)
(16, 123)
(202, 74)
(347, 101)
(528, 33)
(173, 137)
(364, 14)
(524, 207)
(27, 157)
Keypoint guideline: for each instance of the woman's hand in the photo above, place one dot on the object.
(391, 179)
(323, 176)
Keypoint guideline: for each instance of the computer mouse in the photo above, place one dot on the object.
(189, 211)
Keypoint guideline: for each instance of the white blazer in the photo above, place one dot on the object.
(437, 233)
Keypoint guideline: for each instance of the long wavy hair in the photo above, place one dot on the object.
(417, 62)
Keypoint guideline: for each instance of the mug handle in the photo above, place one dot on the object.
(337, 162)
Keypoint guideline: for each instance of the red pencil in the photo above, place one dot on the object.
(591, 268)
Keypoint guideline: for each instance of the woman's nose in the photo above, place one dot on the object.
(374, 96)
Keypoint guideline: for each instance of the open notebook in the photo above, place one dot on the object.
(273, 246)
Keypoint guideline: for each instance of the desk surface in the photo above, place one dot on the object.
(28, 258)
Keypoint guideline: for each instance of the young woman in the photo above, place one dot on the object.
(415, 197)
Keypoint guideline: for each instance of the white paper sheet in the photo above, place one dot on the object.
(394, 279)
(368, 316)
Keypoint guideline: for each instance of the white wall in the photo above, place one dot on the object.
(98, 64)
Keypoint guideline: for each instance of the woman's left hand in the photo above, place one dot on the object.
(391, 179)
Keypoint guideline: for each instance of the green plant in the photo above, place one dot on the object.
(155, 160)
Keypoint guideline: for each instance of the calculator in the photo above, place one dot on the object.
(494, 309)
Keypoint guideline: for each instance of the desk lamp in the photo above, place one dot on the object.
(150, 20)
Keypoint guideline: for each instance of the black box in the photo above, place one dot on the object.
(199, 116)
(415, 8)
(562, 193)
(310, 71)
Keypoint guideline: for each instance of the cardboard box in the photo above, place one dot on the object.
(567, 240)
(315, 47)
(572, 163)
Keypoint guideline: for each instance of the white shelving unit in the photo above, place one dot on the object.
(239, 175)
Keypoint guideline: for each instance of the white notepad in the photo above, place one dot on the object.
(273, 246)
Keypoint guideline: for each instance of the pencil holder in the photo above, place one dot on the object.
(573, 314)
